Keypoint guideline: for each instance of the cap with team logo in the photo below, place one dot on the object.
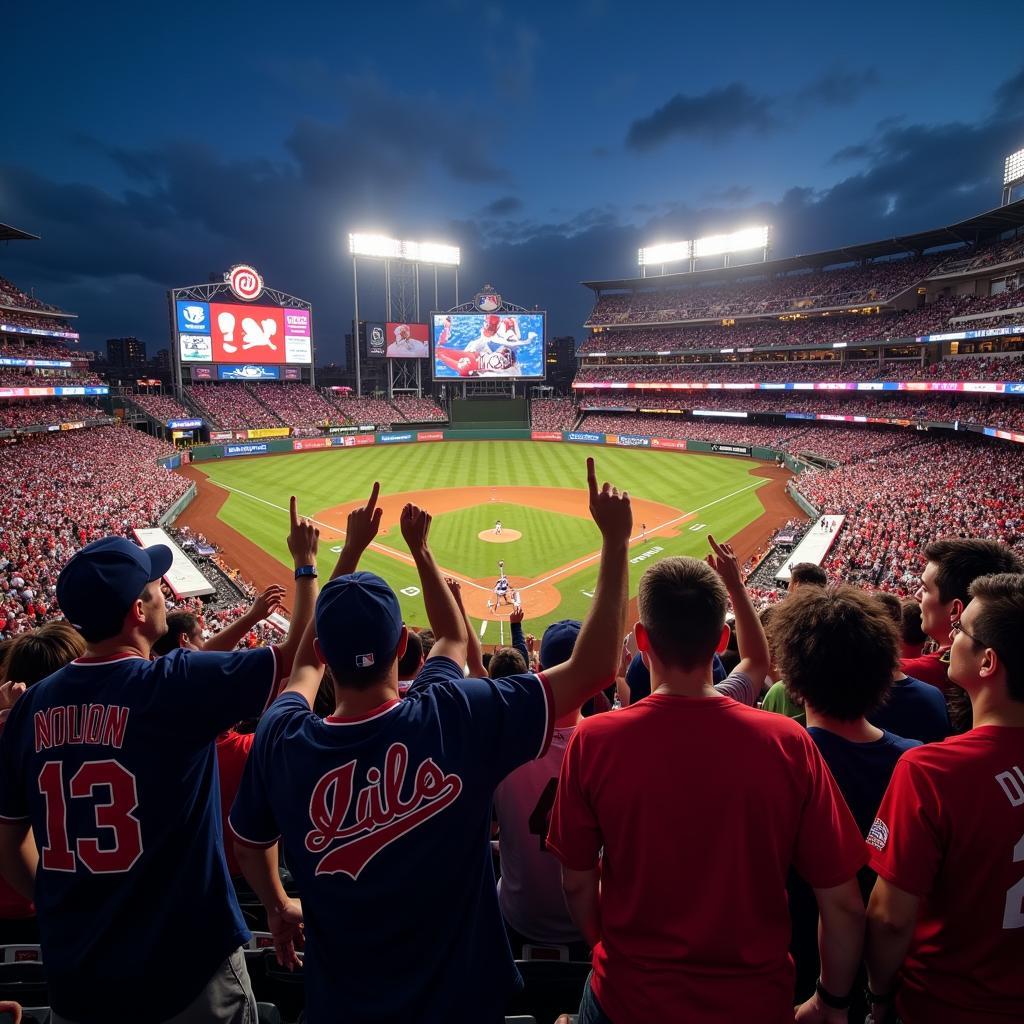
(358, 622)
(102, 581)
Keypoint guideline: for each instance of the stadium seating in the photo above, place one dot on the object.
(31, 411)
(161, 407)
(296, 404)
(232, 405)
(419, 410)
(553, 413)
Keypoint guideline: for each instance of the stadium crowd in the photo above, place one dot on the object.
(848, 861)
(553, 414)
(161, 407)
(366, 411)
(231, 405)
(298, 405)
(878, 282)
(418, 410)
(29, 412)
(16, 346)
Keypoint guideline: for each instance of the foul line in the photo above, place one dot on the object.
(383, 548)
(650, 530)
(393, 553)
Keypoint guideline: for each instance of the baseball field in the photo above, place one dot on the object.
(548, 543)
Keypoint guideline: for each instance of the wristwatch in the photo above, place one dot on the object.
(305, 570)
(833, 1002)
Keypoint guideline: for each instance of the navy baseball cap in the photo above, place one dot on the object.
(102, 581)
(558, 641)
(358, 622)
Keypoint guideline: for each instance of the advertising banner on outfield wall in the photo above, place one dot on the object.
(430, 435)
(396, 438)
(668, 442)
(585, 438)
(246, 449)
(306, 444)
(546, 435)
(731, 449)
(222, 435)
(627, 440)
(352, 440)
(267, 432)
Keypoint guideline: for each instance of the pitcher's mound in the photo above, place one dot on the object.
(505, 537)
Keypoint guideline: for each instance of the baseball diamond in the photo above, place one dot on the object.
(680, 497)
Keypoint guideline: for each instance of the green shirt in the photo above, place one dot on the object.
(779, 702)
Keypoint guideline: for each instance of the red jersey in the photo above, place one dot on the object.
(232, 753)
(950, 830)
(932, 668)
(701, 805)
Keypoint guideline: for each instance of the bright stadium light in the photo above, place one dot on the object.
(1013, 170)
(737, 241)
(379, 246)
(382, 247)
(671, 252)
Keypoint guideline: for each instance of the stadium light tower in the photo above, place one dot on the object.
(406, 254)
(1013, 175)
(743, 240)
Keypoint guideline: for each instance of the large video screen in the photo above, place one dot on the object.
(408, 341)
(467, 345)
(230, 332)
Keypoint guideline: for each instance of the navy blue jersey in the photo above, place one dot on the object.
(385, 822)
(113, 763)
(914, 709)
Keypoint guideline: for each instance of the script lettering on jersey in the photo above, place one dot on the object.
(1012, 784)
(99, 724)
(351, 827)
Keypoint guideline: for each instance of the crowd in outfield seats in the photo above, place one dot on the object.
(552, 414)
(296, 404)
(832, 822)
(18, 346)
(162, 407)
(232, 405)
(367, 411)
(418, 410)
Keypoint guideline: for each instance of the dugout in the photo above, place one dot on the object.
(490, 413)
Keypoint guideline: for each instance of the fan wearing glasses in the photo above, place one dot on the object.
(946, 917)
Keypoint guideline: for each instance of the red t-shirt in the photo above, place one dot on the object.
(951, 831)
(232, 753)
(701, 805)
(932, 668)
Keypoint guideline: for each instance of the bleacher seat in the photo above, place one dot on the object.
(25, 983)
(272, 983)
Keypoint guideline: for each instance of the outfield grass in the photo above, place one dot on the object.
(720, 491)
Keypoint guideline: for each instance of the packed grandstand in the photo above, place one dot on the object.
(888, 380)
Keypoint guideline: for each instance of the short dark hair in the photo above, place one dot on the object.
(32, 656)
(177, 623)
(910, 622)
(506, 661)
(409, 662)
(836, 649)
(808, 573)
(961, 560)
(426, 641)
(998, 624)
(891, 605)
(682, 604)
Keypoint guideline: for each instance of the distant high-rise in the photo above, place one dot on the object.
(126, 352)
(561, 364)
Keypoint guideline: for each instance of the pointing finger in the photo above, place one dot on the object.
(374, 494)
(591, 478)
(292, 510)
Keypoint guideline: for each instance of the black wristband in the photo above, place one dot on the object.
(305, 570)
(875, 997)
(833, 1002)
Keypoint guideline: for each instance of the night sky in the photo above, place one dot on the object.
(151, 145)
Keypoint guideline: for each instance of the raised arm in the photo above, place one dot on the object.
(596, 654)
(755, 659)
(360, 530)
(515, 623)
(443, 613)
(303, 541)
(474, 652)
(231, 635)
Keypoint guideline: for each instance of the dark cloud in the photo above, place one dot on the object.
(713, 116)
(503, 207)
(839, 88)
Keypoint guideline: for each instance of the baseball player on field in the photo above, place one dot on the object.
(384, 807)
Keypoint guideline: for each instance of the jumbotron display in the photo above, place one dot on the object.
(233, 332)
(488, 345)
